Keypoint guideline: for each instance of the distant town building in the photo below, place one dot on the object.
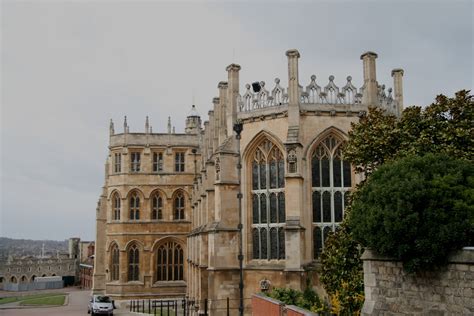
(19, 273)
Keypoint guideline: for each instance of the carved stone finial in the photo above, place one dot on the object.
(331, 78)
(390, 90)
(313, 77)
(349, 78)
(215, 100)
(147, 125)
(111, 127)
(293, 53)
(247, 86)
(222, 85)
(262, 84)
(396, 71)
(125, 125)
(169, 124)
(368, 54)
(233, 67)
(277, 80)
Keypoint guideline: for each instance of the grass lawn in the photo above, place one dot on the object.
(6, 300)
(51, 300)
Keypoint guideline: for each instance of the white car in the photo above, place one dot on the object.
(99, 304)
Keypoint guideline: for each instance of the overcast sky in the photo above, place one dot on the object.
(67, 67)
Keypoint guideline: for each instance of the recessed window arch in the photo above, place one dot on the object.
(134, 206)
(133, 263)
(331, 182)
(267, 197)
(13, 279)
(156, 206)
(23, 279)
(179, 206)
(169, 262)
(116, 206)
(114, 263)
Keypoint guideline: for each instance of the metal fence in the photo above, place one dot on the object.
(173, 307)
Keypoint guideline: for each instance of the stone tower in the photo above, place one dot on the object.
(193, 122)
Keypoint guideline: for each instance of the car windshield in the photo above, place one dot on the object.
(102, 299)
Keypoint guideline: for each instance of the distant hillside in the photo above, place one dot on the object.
(26, 247)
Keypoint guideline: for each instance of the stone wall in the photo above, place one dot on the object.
(390, 290)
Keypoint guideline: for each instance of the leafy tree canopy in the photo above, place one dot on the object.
(416, 209)
(446, 126)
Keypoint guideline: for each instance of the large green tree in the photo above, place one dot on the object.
(416, 209)
(446, 126)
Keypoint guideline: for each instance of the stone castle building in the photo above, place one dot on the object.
(178, 209)
(17, 273)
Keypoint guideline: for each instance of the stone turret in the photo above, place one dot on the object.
(193, 122)
(397, 75)
(369, 96)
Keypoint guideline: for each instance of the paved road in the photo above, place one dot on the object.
(77, 306)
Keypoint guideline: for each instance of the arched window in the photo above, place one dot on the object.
(331, 184)
(268, 202)
(133, 264)
(23, 279)
(169, 262)
(13, 279)
(134, 206)
(156, 207)
(116, 207)
(178, 206)
(115, 263)
(33, 277)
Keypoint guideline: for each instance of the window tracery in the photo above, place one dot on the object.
(169, 262)
(331, 184)
(268, 202)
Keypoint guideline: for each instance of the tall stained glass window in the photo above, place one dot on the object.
(268, 202)
(331, 184)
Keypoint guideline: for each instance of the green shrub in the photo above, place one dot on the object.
(341, 273)
(308, 299)
(416, 209)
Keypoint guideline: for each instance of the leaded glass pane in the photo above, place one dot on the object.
(326, 232)
(273, 174)
(254, 175)
(264, 241)
(170, 265)
(176, 262)
(263, 208)
(255, 208)
(346, 198)
(336, 165)
(338, 207)
(317, 242)
(256, 243)
(281, 243)
(327, 207)
(316, 207)
(273, 243)
(281, 208)
(347, 174)
(316, 178)
(325, 172)
(281, 173)
(263, 176)
(273, 208)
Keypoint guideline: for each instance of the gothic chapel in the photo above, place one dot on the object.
(169, 213)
